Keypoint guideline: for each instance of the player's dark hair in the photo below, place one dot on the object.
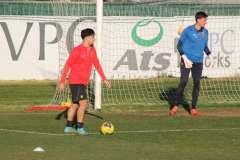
(87, 32)
(200, 15)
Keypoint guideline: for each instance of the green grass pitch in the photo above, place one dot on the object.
(140, 134)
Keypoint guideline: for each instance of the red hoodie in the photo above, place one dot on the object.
(80, 63)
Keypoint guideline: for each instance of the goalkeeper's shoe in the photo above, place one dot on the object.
(194, 112)
(173, 111)
(81, 131)
(69, 130)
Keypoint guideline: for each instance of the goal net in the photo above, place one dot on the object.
(139, 53)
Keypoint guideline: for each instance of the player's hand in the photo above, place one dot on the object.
(107, 83)
(188, 63)
(61, 86)
(211, 60)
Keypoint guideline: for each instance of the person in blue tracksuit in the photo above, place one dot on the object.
(191, 46)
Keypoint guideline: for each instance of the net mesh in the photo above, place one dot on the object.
(139, 51)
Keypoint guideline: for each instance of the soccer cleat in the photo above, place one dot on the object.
(81, 131)
(173, 111)
(69, 130)
(194, 112)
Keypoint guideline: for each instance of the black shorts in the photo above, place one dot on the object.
(79, 92)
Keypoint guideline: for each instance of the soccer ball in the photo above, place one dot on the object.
(68, 103)
(107, 128)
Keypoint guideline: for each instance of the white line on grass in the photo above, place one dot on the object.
(32, 132)
(120, 132)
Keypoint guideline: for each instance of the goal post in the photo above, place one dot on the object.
(97, 79)
(136, 45)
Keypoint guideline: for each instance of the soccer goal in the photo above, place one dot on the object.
(136, 43)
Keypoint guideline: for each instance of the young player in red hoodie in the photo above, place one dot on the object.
(80, 63)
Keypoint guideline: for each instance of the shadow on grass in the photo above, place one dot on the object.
(169, 96)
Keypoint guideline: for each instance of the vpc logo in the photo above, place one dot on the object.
(147, 42)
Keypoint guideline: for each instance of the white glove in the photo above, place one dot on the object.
(188, 63)
(211, 60)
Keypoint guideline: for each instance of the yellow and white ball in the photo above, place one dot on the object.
(107, 128)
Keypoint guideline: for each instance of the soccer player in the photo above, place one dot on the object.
(80, 64)
(191, 46)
